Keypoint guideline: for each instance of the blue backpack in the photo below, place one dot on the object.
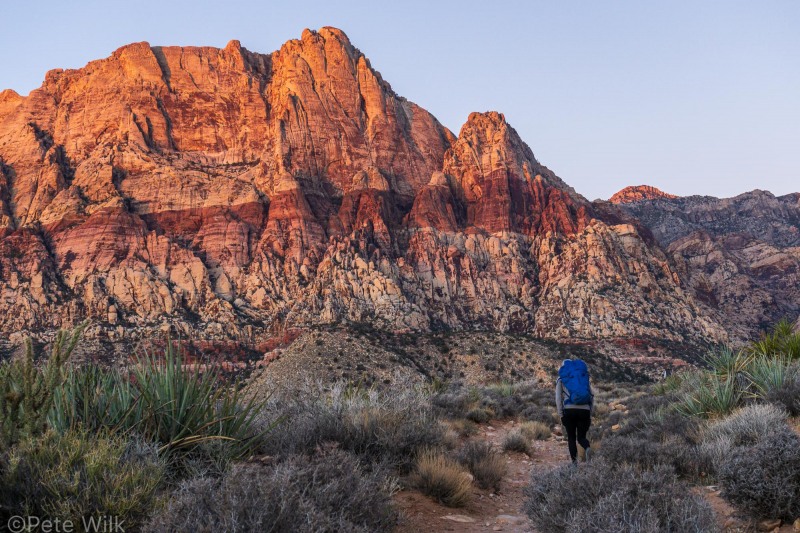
(575, 376)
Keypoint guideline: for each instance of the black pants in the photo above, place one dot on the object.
(577, 422)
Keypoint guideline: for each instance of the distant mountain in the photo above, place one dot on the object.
(638, 192)
(228, 195)
(739, 256)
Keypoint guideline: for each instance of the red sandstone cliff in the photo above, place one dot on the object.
(226, 192)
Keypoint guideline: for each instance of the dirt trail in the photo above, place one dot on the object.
(486, 511)
(503, 511)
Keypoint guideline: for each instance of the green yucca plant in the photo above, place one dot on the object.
(27, 390)
(766, 374)
(791, 346)
(783, 328)
(711, 398)
(673, 383)
(164, 400)
(181, 407)
(782, 340)
(93, 398)
(726, 362)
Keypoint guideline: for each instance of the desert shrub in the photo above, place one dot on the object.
(455, 403)
(516, 441)
(380, 426)
(535, 430)
(659, 424)
(505, 400)
(653, 435)
(479, 415)
(26, 390)
(330, 492)
(77, 476)
(787, 395)
(747, 425)
(464, 428)
(442, 478)
(763, 480)
(683, 457)
(544, 413)
(486, 465)
(744, 427)
(601, 497)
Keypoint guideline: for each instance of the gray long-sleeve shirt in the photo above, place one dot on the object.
(562, 393)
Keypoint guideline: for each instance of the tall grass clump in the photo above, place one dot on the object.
(441, 478)
(485, 463)
(27, 390)
(517, 441)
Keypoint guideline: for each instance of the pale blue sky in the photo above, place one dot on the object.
(694, 97)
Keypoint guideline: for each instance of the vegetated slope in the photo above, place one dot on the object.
(739, 256)
(228, 195)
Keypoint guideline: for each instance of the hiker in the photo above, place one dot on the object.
(575, 401)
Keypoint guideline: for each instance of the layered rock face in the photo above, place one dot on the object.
(229, 194)
(740, 256)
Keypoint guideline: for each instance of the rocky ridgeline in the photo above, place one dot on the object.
(739, 256)
(229, 195)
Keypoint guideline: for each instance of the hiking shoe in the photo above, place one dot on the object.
(588, 455)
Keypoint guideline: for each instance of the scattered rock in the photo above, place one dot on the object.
(730, 523)
(509, 519)
(461, 518)
(769, 525)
